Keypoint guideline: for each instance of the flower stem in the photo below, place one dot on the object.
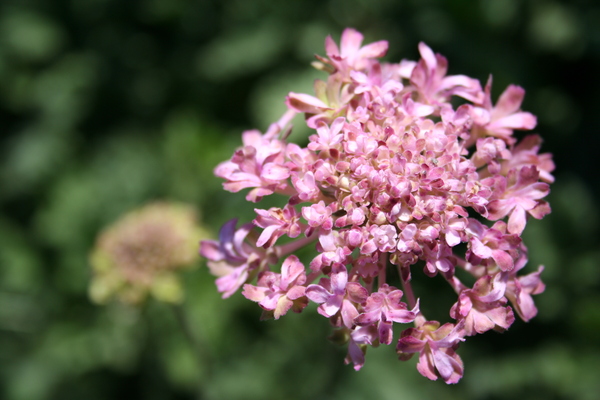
(408, 291)
(291, 247)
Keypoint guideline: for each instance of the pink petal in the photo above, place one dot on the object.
(427, 55)
(350, 42)
(374, 50)
(305, 103)
(275, 172)
(517, 220)
(509, 101)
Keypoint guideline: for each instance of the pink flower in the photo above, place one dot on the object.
(519, 291)
(332, 250)
(277, 222)
(230, 258)
(500, 120)
(360, 338)
(525, 153)
(350, 55)
(491, 243)
(280, 292)
(519, 194)
(394, 175)
(436, 347)
(317, 215)
(483, 307)
(384, 307)
(338, 295)
(331, 101)
(259, 164)
(434, 87)
(327, 137)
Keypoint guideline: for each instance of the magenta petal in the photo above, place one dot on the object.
(409, 344)
(368, 317)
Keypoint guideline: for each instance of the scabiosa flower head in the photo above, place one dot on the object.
(408, 170)
(142, 252)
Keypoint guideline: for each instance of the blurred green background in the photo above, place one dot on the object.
(106, 105)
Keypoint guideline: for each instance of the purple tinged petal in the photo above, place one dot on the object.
(331, 306)
(230, 283)
(368, 318)
(317, 293)
(410, 344)
(356, 355)
(403, 316)
(449, 365)
(210, 249)
(385, 332)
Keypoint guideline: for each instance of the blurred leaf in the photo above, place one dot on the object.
(242, 51)
(33, 157)
(29, 35)
(556, 27)
(20, 265)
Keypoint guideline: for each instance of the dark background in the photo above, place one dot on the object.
(108, 104)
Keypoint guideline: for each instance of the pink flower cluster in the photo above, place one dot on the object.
(395, 179)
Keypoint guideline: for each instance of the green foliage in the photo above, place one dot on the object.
(106, 105)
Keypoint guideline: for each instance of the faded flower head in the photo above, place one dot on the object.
(141, 253)
(409, 173)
